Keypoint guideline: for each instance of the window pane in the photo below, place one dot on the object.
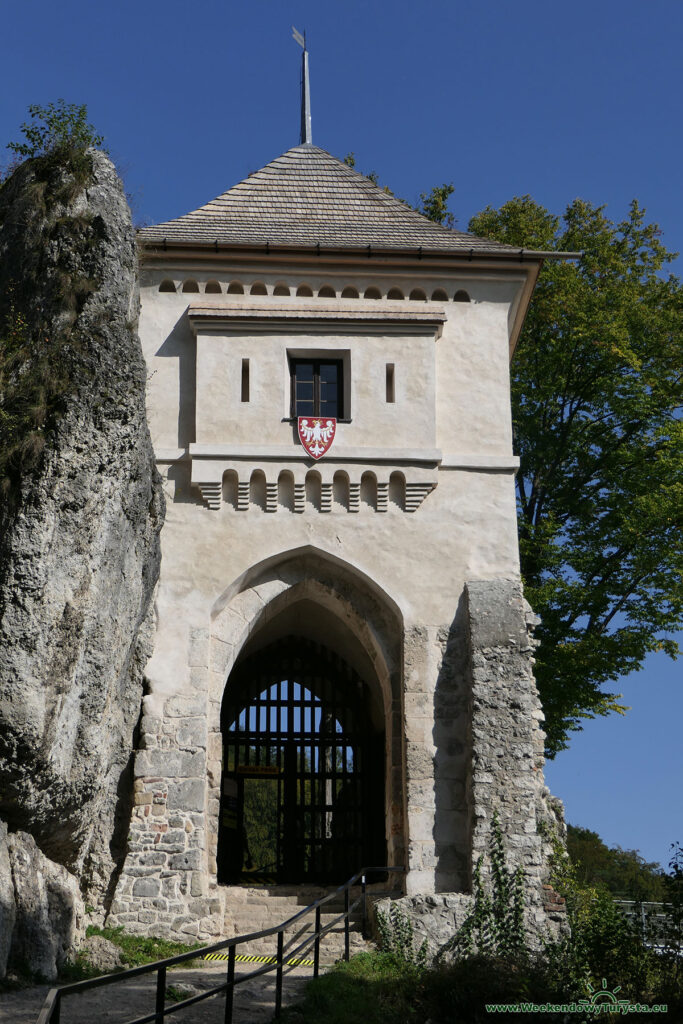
(329, 407)
(316, 388)
(329, 389)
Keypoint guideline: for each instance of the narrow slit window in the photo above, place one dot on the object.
(245, 380)
(391, 393)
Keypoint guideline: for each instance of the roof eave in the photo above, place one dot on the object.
(265, 248)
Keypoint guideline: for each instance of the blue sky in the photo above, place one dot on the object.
(558, 100)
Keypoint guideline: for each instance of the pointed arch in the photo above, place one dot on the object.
(319, 596)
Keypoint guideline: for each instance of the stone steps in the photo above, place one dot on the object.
(252, 910)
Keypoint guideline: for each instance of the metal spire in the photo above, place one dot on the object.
(306, 135)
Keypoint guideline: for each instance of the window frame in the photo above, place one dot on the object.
(316, 361)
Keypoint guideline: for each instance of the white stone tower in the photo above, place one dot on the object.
(342, 671)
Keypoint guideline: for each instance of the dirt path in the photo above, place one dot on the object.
(254, 1000)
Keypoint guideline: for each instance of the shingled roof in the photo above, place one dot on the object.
(306, 197)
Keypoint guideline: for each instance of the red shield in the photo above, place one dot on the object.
(316, 434)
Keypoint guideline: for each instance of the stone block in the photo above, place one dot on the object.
(214, 750)
(147, 917)
(198, 884)
(186, 796)
(185, 706)
(221, 655)
(174, 837)
(199, 680)
(192, 734)
(170, 764)
(190, 860)
(496, 613)
(146, 887)
(198, 653)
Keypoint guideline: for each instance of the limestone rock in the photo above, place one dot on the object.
(7, 903)
(79, 544)
(101, 954)
(49, 910)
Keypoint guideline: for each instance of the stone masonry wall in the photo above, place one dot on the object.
(165, 882)
(489, 658)
(506, 739)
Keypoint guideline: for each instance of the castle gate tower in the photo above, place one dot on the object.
(329, 404)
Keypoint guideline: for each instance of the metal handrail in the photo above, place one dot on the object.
(51, 1010)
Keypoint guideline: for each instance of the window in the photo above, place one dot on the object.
(245, 381)
(317, 387)
(391, 393)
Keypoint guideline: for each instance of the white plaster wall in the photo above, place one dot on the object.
(452, 394)
(222, 416)
(470, 374)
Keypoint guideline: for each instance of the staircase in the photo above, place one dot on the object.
(252, 910)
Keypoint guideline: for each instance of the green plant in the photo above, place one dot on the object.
(398, 938)
(604, 943)
(142, 949)
(434, 204)
(176, 993)
(56, 128)
(371, 988)
(495, 927)
(624, 872)
(597, 395)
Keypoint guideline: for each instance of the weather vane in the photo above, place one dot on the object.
(306, 136)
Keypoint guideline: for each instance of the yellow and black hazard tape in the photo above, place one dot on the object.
(245, 958)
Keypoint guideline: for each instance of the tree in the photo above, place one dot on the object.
(58, 127)
(434, 204)
(624, 872)
(596, 404)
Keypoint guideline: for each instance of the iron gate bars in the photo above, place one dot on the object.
(302, 771)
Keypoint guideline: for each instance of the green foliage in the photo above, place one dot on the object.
(604, 943)
(596, 397)
(672, 943)
(29, 381)
(434, 204)
(143, 949)
(398, 939)
(372, 988)
(386, 987)
(176, 993)
(80, 969)
(495, 928)
(623, 872)
(59, 128)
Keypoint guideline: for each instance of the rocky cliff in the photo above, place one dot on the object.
(80, 513)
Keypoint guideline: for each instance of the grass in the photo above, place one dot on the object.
(136, 950)
(143, 949)
(372, 988)
(379, 988)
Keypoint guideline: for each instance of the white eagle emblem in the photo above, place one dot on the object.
(316, 434)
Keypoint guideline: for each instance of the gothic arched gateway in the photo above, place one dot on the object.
(302, 794)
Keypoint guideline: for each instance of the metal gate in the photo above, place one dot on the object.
(302, 792)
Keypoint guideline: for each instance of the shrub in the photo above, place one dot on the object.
(398, 939)
(57, 128)
(495, 928)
